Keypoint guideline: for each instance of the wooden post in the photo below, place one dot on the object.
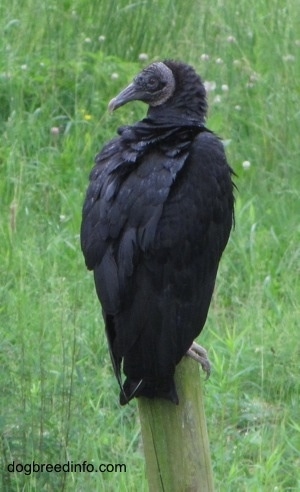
(175, 437)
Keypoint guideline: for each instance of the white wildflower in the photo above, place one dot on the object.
(217, 99)
(143, 57)
(5, 75)
(204, 57)
(54, 131)
(231, 39)
(210, 86)
(246, 164)
(288, 58)
(254, 77)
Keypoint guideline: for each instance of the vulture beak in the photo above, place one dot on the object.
(129, 94)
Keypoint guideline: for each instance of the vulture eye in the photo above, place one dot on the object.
(153, 83)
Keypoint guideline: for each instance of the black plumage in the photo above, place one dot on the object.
(156, 219)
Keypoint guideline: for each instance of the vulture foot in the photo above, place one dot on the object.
(199, 354)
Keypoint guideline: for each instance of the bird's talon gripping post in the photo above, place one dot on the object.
(199, 354)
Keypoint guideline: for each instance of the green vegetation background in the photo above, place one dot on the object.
(60, 64)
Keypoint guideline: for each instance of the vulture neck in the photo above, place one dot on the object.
(165, 114)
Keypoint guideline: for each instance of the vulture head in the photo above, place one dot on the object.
(167, 87)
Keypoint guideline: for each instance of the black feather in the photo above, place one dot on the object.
(156, 219)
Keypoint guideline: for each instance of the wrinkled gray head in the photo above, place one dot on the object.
(154, 86)
(170, 88)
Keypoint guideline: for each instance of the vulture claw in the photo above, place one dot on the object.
(199, 354)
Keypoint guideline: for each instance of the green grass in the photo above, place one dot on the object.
(58, 396)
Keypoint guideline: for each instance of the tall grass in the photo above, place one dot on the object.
(60, 64)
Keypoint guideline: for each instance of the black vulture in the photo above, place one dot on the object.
(157, 216)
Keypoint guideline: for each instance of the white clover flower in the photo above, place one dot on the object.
(254, 77)
(237, 107)
(54, 131)
(143, 57)
(246, 165)
(231, 39)
(237, 63)
(101, 38)
(114, 76)
(267, 281)
(5, 75)
(219, 61)
(210, 86)
(24, 67)
(288, 58)
(204, 57)
(224, 87)
(87, 40)
(217, 99)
